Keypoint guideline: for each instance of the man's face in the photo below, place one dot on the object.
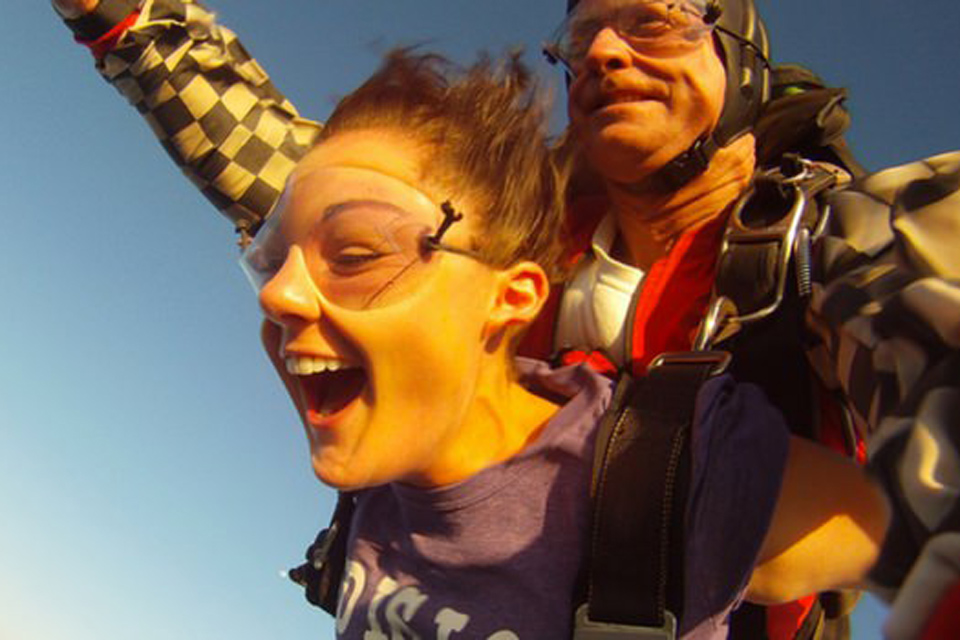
(379, 343)
(634, 105)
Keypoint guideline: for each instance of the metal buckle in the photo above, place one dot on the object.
(719, 323)
(784, 232)
(719, 359)
(587, 629)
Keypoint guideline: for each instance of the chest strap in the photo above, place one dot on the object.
(635, 583)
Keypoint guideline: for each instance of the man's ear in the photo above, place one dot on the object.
(522, 290)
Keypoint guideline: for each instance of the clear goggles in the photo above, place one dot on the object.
(360, 254)
(658, 28)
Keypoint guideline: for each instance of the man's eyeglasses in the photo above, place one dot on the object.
(360, 254)
(658, 28)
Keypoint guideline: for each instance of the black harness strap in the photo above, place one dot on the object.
(763, 280)
(321, 574)
(762, 283)
(635, 580)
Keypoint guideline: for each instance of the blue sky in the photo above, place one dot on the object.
(153, 479)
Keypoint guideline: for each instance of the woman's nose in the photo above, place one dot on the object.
(289, 295)
(607, 52)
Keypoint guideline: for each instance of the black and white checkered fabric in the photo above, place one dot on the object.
(214, 109)
(886, 308)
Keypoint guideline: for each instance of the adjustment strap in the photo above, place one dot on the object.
(108, 14)
(679, 171)
(688, 165)
(635, 581)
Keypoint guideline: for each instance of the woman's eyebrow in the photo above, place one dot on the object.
(337, 208)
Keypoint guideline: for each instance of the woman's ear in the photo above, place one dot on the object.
(522, 290)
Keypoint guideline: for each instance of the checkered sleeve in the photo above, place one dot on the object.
(213, 108)
(885, 315)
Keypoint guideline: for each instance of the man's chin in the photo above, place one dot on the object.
(622, 156)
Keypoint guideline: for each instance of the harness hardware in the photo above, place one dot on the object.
(721, 316)
(719, 359)
(587, 629)
(788, 193)
(783, 232)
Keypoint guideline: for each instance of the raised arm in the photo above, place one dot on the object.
(213, 108)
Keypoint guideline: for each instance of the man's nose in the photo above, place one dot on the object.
(607, 52)
(289, 296)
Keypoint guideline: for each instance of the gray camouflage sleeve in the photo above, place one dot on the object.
(886, 314)
(212, 107)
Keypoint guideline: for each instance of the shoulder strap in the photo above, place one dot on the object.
(757, 314)
(635, 577)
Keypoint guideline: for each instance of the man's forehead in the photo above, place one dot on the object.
(600, 6)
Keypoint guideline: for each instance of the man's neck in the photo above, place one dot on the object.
(649, 221)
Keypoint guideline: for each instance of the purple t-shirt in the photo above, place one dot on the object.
(498, 556)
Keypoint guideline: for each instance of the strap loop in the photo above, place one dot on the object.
(586, 629)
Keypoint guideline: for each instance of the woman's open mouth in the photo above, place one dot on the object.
(327, 385)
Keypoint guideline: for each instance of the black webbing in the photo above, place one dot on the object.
(748, 274)
(749, 269)
(636, 567)
(321, 574)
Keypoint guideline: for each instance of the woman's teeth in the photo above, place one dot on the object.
(307, 365)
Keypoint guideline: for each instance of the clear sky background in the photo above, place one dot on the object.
(153, 479)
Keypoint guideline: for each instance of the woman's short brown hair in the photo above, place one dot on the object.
(484, 130)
